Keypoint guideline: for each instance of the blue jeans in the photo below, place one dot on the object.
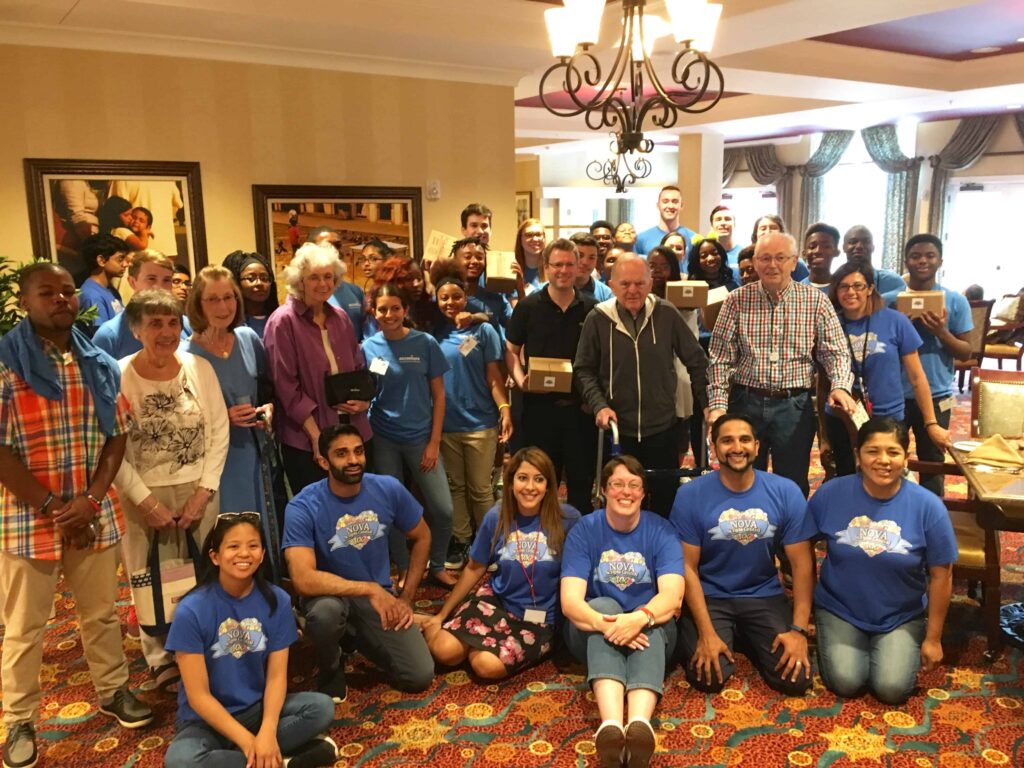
(303, 717)
(851, 660)
(634, 669)
(388, 458)
(785, 428)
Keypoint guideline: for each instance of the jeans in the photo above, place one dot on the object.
(403, 655)
(303, 717)
(785, 428)
(754, 620)
(658, 451)
(389, 457)
(569, 437)
(469, 461)
(643, 668)
(851, 660)
(926, 449)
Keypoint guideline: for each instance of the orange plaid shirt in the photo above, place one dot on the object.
(60, 443)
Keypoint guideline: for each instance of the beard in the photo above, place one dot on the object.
(339, 474)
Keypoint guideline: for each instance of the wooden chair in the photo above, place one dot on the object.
(997, 403)
(1005, 339)
(981, 315)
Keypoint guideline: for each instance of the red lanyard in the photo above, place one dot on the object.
(533, 564)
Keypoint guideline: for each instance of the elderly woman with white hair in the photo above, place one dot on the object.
(306, 340)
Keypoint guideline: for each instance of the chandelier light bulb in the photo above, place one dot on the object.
(694, 20)
(586, 19)
(561, 32)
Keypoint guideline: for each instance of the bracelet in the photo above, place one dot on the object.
(503, 405)
(649, 614)
(930, 423)
(156, 503)
(798, 628)
(93, 501)
(50, 498)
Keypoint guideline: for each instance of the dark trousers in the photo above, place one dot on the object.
(569, 437)
(926, 449)
(785, 428)
(842, 451)
(754, 621)
(658, 452)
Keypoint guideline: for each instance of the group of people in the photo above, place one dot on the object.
(173, 430)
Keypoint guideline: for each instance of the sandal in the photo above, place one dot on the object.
(167, 678)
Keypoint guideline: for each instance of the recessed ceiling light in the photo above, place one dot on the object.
(987, 49)
(1013, 106)
(1020, 39)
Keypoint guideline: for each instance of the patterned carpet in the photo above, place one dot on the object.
(968, 712)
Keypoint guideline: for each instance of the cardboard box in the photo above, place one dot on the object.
(687, 294)
(499, 277)
(549, 374)
(709, 314)
(913, 304)
(438, 247)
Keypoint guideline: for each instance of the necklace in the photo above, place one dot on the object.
(224, 345)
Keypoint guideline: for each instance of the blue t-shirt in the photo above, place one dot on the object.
(622, 566)
(875, 572)
(258, 324)
(887, 281)
(522, 558)
(403, 411)
(350, 536)
(495, 305)
(739, 534)
(887, 337)
(823, 287)
(468, 404)
(651, 238)
(936, 361)
(236, 637)
(106, 300)
(352, 300)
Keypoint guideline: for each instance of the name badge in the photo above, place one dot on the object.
(947, 404)
(379, 366)
(468, 345)
(534, 615)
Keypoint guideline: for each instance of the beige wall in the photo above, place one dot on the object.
(254, 124)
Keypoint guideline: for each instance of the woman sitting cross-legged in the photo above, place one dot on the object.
(887, 575)
(231, 635)
(510, 624)
(622, 584)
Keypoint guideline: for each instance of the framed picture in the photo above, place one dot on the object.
(149, 204)
(285, 214)
(524, 207)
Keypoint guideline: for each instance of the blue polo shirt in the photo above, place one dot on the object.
(352, 300)
(651, 238)
(106, 300)
(468, 404)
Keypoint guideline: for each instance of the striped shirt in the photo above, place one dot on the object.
(772, 344)
(59, 442)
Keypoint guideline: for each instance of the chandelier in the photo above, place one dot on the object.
(632, 93)
(622, 169)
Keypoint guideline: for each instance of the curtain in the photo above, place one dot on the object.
(766, 169)
(967, 144)
(833, 144)
(730, 163)
(901, 197)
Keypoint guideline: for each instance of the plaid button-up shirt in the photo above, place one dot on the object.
(60, 443)
(766, 343)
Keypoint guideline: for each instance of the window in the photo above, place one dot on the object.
(854, 192)
(748, 204)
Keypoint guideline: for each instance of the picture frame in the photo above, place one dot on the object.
(68, 198)
(361, 214)
(524, 207)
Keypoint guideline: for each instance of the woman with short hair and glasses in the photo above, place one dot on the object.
(622, 584)
(883, 346)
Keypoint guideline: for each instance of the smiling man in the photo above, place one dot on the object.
(859, 245)
(670, 207)
(821, 246)
(731, 523)
(336, 545)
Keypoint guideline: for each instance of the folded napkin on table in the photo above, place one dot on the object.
(996, 451)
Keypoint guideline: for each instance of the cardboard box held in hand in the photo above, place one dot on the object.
(913, 304)
(687, 294)
(499, 276)
(549, 374)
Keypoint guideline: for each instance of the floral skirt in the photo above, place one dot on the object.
(483, 623)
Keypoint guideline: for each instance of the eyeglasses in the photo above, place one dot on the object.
(252, 279)
(777, 259)
(181, 281)
(854, 287)
(621, 485)
(218, 299)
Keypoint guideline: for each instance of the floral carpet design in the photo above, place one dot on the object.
(968, 713)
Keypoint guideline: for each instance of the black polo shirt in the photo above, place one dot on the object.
(542, 329)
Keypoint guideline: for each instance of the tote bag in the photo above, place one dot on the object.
(158, 588)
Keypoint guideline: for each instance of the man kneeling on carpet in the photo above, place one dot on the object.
(231, 636)
(336, 545)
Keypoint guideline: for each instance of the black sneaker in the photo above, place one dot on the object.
(127, 710)
(456, 557)
(20, 747)
(333, 684)
(349, 643)
(321, 751)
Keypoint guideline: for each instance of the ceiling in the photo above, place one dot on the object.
(790, 65)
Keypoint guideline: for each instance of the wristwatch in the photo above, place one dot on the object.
(649, 614)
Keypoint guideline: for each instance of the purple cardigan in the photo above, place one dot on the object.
(298, 362)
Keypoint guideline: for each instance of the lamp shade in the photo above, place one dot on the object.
(562, 31)
(694, 20)
(586, 19)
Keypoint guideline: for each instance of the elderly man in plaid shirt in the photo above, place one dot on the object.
(62, 437)
(763, 348)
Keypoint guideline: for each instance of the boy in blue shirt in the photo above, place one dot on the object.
(731, 523)
(105, 256)
(336, 545)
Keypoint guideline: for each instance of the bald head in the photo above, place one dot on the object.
(774, 260)
(858, 245)
(627, 258)
(631, 281)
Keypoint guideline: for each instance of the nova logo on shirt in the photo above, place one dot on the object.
(622, 570)
(237, 638)
(356, 530)
(743, 527)
(874, 346)
(526, 548)
(874, 536)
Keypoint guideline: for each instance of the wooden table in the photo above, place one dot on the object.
(1002, 493)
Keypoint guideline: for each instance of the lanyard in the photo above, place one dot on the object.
(860, 369)
(533, 564)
